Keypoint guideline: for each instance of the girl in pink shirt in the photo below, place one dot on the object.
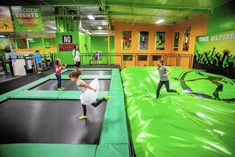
(58, 68)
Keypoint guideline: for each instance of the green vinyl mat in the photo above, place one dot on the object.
(198, 121)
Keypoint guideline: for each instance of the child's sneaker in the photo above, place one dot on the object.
(106, 98)
(60, 89)
(83, 117)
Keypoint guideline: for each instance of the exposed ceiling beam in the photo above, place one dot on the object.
(164, 7)
(145, 22)
(145, 15)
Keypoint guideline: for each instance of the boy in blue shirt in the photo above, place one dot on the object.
(38, 60)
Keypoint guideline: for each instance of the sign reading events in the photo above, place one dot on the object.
(27, 19)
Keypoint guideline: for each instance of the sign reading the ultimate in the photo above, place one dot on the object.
(218, 37)
(27, 19)
(216, 53)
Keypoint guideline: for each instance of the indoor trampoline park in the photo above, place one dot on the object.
(117, 78)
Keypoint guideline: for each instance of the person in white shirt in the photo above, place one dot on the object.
(87, 97)
(76, 56)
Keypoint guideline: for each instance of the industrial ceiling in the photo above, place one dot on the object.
(105, 11)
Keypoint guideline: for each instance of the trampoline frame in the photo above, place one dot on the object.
(113, 134)
(54, 79)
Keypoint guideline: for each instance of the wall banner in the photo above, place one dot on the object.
(160, 40)
(176, 41)
(126, 40)
(5, 20)
(216, 53)
(27, 19)
(143, 40)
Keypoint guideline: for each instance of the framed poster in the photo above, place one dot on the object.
(176, 41)
(160, 40)
(143, 40)
(5, 20)
(21, 43)
(186, 38)
(126, 40)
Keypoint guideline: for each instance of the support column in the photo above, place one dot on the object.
(109, 56)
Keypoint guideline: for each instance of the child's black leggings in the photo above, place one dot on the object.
(160, 84)
(95, 104)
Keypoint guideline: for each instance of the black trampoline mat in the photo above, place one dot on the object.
(91, 72)
(69, 85)
(49, 121)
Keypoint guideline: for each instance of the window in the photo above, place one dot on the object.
(142, 57)
(127, 57)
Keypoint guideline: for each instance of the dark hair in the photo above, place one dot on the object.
(37, 51)
(76, 73)
(161, 61)
(57, 62)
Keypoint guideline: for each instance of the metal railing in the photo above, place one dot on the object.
(139, 59)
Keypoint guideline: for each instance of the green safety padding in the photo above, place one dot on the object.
(38, 94)
(112, 150)
(26, 87)
(3, 99)
(89, 77)
(116, 83)
(76, 95)
(92, 69)
(183, 124)
(47, 150)
(114, 127)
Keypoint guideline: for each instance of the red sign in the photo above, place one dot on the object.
(66, 47)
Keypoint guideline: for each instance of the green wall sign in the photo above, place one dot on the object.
(27, 19)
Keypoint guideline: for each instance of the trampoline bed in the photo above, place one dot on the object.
(91, 72)
(69, 85)
(49, 121)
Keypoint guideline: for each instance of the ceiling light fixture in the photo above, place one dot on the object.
(159, 21)
(99, 27)
(80, 24)
(91, 17)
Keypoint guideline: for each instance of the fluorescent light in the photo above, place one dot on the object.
(2, 36)
(159, 21)
(99, 27)
(53, 28)
(80, 24)
(91, 17)
(103, 33)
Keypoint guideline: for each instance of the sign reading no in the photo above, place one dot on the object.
(67, 39)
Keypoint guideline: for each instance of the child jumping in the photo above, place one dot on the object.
(58, 68)
(163, 73)
(83, 87)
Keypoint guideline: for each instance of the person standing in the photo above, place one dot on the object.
(58, 68)
(163, 73)
(76, 56)
(38, 60)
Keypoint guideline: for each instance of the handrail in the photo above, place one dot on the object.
(87, 58)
